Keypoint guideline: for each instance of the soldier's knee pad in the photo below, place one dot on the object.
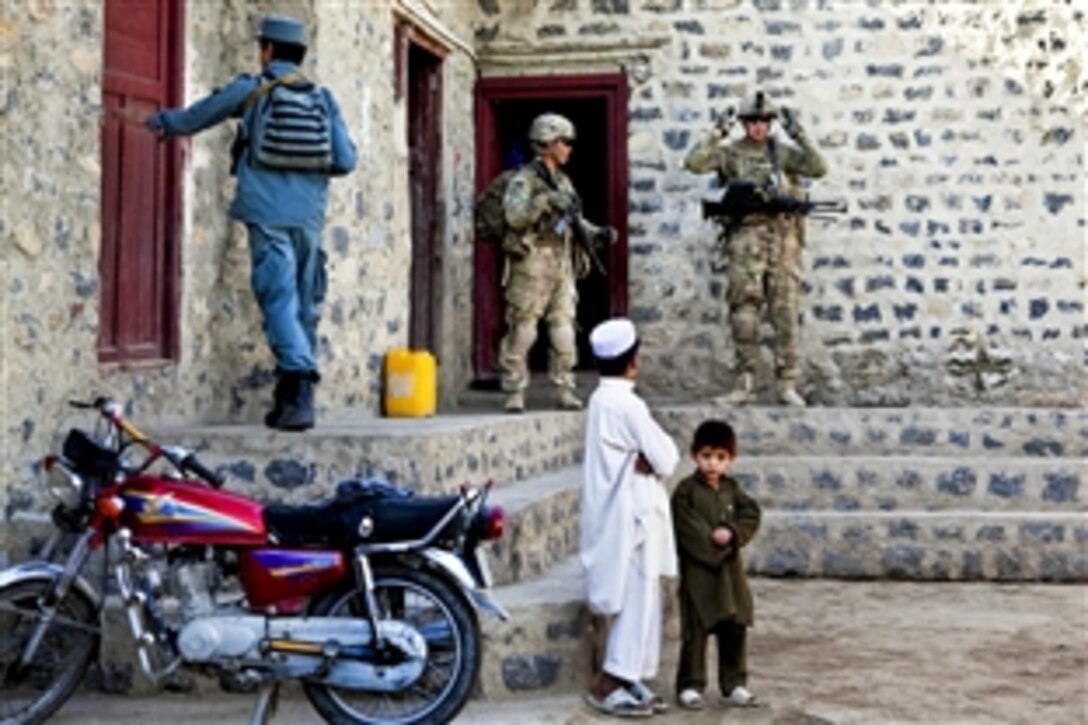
(520, 334)
(561, 335)
(745, 324)
(746, 291)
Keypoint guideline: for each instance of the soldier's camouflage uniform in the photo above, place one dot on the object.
(764, 250)
(542, 266)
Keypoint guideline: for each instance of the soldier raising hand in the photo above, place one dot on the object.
(763, 251)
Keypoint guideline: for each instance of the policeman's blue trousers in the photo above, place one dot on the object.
(289, 280)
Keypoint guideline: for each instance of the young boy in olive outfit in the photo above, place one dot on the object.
(713, 518)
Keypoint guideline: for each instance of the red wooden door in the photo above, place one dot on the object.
(597, 105)
(140, 204)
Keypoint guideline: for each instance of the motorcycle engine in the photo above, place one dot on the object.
(193, 584)
(180, 586)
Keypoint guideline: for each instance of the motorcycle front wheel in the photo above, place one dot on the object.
(32, 693)
(437, 610)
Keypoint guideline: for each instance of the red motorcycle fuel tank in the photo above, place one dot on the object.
(287, 576)
(162, 510)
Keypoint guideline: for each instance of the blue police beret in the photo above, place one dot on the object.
(282, 29)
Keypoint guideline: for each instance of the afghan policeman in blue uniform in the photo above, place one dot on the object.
(283, 210)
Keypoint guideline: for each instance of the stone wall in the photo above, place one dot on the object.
(50, 224)
(955, 132)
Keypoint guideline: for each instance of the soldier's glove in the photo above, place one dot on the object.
(724, 121)
(516, 247)
(791, 125)
(560, 201)
(606, 236)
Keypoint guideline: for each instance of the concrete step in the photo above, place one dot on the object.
(437, 454)
(889, 483)
(971, 432)
(967, 545)
(542, 524)
(543, 514)
(487, 395)
(429, 455)
(545, 647)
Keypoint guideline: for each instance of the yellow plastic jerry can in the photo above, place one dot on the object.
(411, 383)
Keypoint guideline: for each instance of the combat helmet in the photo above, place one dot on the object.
(547, 127)
(757, 105)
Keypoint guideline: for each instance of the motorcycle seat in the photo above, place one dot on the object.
(336, 522)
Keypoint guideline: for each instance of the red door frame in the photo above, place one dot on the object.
(167, 224)
(612, 89)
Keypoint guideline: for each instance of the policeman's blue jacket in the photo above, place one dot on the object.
(264, 196)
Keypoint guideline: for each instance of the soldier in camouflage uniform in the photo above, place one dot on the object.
(763, 250)
(542, 263)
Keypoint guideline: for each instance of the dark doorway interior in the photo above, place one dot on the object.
(597, 106)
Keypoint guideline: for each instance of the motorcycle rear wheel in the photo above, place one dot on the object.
(439, 610)
(32, 694)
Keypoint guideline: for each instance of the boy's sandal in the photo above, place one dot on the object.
(647, 697)
(690, 699)
(619, 703)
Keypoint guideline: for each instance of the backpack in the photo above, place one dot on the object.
(290, 128)
(489, 217)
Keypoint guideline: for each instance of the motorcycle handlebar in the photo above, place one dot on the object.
(190, 463)
(184, 460)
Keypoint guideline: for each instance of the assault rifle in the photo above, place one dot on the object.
(744, 198)
(571, 218)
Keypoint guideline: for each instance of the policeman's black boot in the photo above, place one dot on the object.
(284, 390)
(298, 410)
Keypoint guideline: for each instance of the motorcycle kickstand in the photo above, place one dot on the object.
(268, 699)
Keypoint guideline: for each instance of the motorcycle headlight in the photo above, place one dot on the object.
(63, 483)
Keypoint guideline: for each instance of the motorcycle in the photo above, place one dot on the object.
(370, 599)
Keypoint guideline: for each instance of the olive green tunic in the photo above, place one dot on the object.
(712, 579)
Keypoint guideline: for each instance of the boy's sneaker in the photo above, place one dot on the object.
(740, 697)
(690, 699)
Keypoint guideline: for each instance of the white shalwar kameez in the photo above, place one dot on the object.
(627, 542)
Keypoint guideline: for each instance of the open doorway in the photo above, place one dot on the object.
(597, 106)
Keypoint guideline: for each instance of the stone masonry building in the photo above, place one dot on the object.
(954, 131)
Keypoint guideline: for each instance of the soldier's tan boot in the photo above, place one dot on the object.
(741, 393)
(787, 394)
(515, 402)
(566, 400)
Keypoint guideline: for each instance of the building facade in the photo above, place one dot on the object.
(954, 132)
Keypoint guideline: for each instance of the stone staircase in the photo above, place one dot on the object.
(903, 493)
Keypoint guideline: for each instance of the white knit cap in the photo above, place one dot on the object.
(612, 338)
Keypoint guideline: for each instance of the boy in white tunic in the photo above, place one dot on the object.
(627, 540)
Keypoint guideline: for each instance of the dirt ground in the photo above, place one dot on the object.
(821, 652)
